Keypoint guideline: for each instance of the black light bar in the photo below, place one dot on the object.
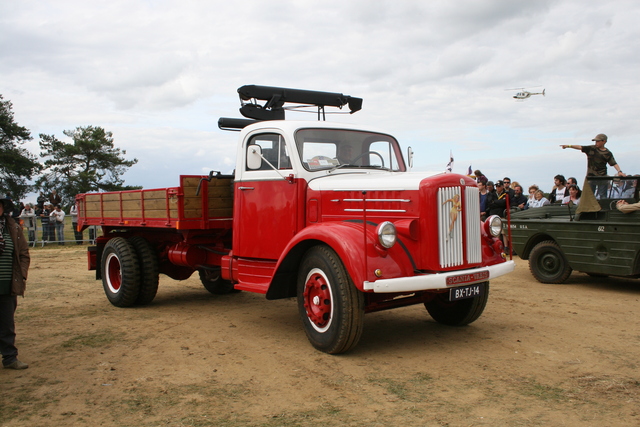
(277, 97)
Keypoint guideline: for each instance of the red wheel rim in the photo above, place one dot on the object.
(318, 300)
(114, 275)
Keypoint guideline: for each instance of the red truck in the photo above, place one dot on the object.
(327, 213)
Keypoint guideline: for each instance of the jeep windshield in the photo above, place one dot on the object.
(327, 149)
(614, 188)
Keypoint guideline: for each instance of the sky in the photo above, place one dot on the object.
(437, 75)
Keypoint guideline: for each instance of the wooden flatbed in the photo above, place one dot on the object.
(174, 207)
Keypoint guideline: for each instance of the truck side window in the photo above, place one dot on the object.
(273, 149)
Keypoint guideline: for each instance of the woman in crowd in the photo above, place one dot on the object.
(480, 177)
(574, 195)
(539, 201)
(532, 193)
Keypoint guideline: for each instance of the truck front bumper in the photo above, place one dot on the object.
(447, 280)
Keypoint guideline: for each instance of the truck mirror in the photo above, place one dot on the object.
(254, 157)
(410, 157)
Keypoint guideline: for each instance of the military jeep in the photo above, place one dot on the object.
(593, 237)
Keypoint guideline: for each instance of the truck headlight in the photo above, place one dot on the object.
(493, 225)
(387, 234)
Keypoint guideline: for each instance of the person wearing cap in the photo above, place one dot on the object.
(14, 267)
(597, 156)
(498, 202)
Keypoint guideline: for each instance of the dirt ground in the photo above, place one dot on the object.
(540, 355)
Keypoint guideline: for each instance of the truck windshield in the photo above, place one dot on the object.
(333, 148)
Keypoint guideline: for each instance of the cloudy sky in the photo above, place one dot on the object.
(159, 74)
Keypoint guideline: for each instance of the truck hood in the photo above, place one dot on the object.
(385, 181)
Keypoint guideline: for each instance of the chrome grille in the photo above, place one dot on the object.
(450, 233)
(472, 221)
(453, 205)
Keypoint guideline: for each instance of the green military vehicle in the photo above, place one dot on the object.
(593, 237)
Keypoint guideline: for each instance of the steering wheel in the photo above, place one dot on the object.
(365, 153)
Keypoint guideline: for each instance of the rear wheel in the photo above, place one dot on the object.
(548, 264)
(149, 269)
(331, 308)
(214, 283)
(120, 272)
(460, 312)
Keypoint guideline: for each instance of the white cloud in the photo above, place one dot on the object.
(159, 74)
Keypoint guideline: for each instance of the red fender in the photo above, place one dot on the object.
(347, 240)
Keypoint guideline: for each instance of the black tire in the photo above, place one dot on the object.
(120, 272)
(460, 312)
(331, 308)
(149, 269)
(214, 283)
(548, 264)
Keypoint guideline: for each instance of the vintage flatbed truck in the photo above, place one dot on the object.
(326, 213)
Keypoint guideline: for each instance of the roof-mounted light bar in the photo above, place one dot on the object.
(276, 98)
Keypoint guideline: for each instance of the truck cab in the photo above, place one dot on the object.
(282, 168)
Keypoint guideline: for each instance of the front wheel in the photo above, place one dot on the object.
(331, 308)
(120, 272)
(548, 264)
(460, 312)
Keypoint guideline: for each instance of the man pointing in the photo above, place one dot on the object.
(597, 156)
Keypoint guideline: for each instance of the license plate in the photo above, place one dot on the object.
(464, 292)
(467, 278)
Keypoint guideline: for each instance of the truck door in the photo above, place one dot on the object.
(266, 203)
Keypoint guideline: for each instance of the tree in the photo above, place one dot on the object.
(17, 165)
(90, 163)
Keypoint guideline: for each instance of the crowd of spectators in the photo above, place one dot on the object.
(564, 191)
(495, 194)
(49, 213)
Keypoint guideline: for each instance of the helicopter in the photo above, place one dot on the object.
(523, 94)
